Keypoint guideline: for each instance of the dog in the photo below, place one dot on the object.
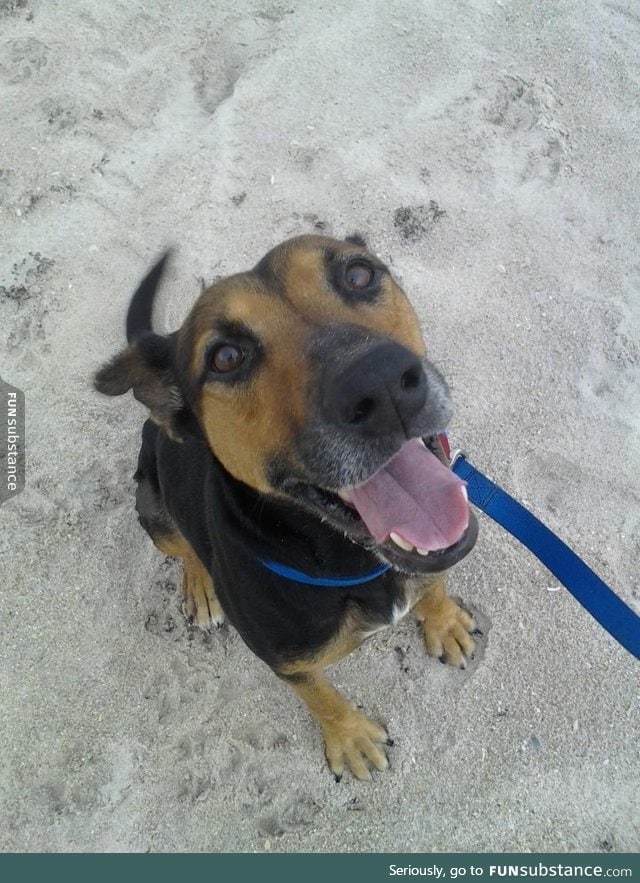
(291, 460)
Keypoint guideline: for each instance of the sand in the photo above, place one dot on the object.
(488, 150)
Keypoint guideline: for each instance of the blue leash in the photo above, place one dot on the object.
(594, 595)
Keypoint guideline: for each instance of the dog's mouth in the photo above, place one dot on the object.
(413, 511)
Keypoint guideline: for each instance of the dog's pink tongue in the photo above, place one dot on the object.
(414, 496)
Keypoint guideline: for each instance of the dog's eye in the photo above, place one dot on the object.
(226, 358)
(358, 275)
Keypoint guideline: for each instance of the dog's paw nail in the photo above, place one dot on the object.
(478, 633)
(389, 742)
(442, 659)
(337, 777)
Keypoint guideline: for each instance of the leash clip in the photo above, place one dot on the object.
(455, 455)
(451, 456)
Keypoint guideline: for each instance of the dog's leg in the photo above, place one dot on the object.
(445, 624)
(349, 736)
(200, 603)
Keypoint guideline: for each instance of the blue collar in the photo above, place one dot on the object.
(340, 582)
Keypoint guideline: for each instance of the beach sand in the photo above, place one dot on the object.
(488, 150)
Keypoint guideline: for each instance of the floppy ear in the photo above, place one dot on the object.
(146, 367)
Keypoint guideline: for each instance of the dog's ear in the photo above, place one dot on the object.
(147, 367)
(356, 239)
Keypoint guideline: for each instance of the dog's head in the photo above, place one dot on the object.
(308, 378)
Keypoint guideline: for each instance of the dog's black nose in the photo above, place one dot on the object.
(377, 393)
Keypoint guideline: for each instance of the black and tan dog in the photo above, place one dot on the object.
(292, 462)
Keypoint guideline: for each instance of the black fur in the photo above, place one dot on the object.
(356, 239)
(231, 526)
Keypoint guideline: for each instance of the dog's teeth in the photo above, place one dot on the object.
(400, 541)
(422, 551)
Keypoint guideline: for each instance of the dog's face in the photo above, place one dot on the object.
(308, 378)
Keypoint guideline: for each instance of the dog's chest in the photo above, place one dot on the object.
(412, 591)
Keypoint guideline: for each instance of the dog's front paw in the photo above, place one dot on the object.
(447, 633)
(199, 601)
(355, 740)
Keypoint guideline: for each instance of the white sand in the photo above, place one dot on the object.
(125, 126)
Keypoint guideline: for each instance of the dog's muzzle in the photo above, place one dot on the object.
(376, 394)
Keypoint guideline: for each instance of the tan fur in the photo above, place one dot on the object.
(245, 426)
(445, 624)
(200, 603)
(349, 736)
